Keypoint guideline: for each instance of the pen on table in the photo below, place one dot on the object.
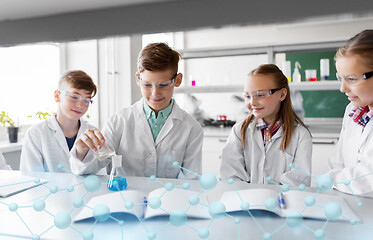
(281, 201)
(144, 205)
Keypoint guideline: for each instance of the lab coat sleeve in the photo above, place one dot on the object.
(193, 155)
(301, 174)
(31, 155)
(359, 178)
(90, 164)
(336, 160)
(233, 159)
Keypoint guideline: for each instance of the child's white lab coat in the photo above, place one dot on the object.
(257, 162)
(354, 156)
(129, 134)
(45, 146)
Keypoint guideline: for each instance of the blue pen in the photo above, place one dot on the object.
(281, 201)
(144, 205)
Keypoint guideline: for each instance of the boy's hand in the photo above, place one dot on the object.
(91, 139)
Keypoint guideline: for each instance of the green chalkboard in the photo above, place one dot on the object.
(319, 104)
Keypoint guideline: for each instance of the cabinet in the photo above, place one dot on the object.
(271, 52)
(322, 149)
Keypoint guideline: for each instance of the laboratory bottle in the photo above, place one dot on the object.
(117, 180)
(296, 73)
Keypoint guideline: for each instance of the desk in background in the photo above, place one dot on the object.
(221, 228)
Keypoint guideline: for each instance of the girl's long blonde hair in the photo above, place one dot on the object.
(286, 114)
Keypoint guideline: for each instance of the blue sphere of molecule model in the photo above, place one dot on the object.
(128, 204)
(53, 189)
(169, 186)
(151, 235)
(324, 182)
(319, 234)
(152, 178)
(78, 202)
(186, 186)
(35, 237)
(285, 187)
(59, 167)
(62, 220)
(88, 235)
(217, 210)
(92, 183)
(70, 188)
(36, 180)
(121, 223)
(270, 203)
(309, 201)
(193, 199)
(267, 236)
(208, 181)
(237, 221)
(38, 205)
(302, 187)
(101, 212)
(231, 181)
(294, 219)
(203, 233)
(154, 202)
(268, 179)
(175, 164)
(245, 205)
(13, 207)
(333, 211)
(352, 222)
(178, 218)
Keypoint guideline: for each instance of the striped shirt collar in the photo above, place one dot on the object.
(264, 128)
(361, 115)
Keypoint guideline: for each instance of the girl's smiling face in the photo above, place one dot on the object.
(265, 107)
(360, 93)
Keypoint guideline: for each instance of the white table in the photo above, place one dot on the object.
(11, 227)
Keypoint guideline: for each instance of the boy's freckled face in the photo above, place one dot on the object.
(156, 98)
(69, 108)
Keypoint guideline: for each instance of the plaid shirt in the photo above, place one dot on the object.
(361, 115)
(262, 126)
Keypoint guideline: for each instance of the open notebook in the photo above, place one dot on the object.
(177, 199)
(13, 185)
(294, 202)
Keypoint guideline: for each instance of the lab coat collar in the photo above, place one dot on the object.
(257, 135)
(176, 114)
(58, 134)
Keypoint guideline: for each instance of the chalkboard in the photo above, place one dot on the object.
(319, 104)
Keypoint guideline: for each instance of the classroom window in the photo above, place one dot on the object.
(28, 77)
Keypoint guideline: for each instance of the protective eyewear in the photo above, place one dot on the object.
(352, 79)
(76, 98)
(159, 85)
(261, 94)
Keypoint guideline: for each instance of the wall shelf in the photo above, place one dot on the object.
(303, 86)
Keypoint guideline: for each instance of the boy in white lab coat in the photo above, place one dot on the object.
(352, 164)
(49, 142)
(154, 132)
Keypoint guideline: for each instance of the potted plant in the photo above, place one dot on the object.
(5, 120)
